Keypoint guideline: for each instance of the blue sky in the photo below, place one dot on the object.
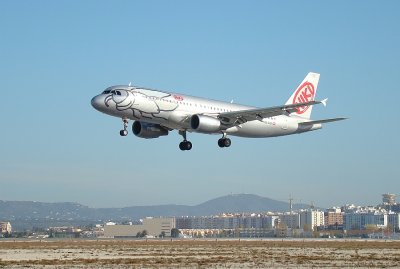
(56, 55)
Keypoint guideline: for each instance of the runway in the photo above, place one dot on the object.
(199, 253)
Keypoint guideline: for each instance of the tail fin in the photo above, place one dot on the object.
(305, 92)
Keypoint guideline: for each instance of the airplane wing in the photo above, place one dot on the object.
(241, 116)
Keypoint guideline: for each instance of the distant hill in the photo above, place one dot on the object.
(26, 215)
(242, 203)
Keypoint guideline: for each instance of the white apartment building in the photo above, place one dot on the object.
(311, 219)
(5, 227)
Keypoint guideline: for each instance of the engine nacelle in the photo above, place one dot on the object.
(148, 130)
(205, 124)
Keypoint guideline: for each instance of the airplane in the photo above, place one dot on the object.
(156, 113)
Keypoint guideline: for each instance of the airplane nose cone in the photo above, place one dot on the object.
(97, 102)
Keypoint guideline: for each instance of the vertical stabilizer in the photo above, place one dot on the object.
(305, 92)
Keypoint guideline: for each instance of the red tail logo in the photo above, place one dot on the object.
(304, 94)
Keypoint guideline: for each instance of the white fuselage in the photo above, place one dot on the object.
(173, 111)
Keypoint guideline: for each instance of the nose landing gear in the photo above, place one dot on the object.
(124, 132)
(184, 145)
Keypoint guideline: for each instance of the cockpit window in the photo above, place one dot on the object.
(116, 92)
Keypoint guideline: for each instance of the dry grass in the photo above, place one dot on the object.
(198, 254)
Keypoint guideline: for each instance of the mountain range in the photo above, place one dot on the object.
(29, 214)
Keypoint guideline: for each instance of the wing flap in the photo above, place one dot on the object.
(242, 116)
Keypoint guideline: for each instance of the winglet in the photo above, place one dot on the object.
(324, 101)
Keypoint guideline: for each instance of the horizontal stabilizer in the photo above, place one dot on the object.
(320, 121)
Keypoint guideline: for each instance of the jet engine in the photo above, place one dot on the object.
(148, 130)
(205, 124)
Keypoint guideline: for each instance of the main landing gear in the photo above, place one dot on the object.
(184, 145)
(224, 142)
(124, 132)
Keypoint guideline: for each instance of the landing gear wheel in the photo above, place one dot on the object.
(185, 145)
(224, 142)
(182, 146)
(188, 145)
(221, 142)
(227, 142)
(123, 133)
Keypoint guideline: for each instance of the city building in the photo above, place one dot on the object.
(333, 218)
(254, 232)
(310, 219)
(5, 227)
(389, 199)
(270, 221)
(229, 225)
(64, 232)
(389, 203)
(289, 220)
(227, 222)
(153, 226)
(394, 221)
(359, 220)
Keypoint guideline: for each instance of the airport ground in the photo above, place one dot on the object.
(266, 253)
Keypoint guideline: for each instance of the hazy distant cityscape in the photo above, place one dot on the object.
(232, 216)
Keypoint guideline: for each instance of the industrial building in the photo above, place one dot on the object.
(153, 226)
